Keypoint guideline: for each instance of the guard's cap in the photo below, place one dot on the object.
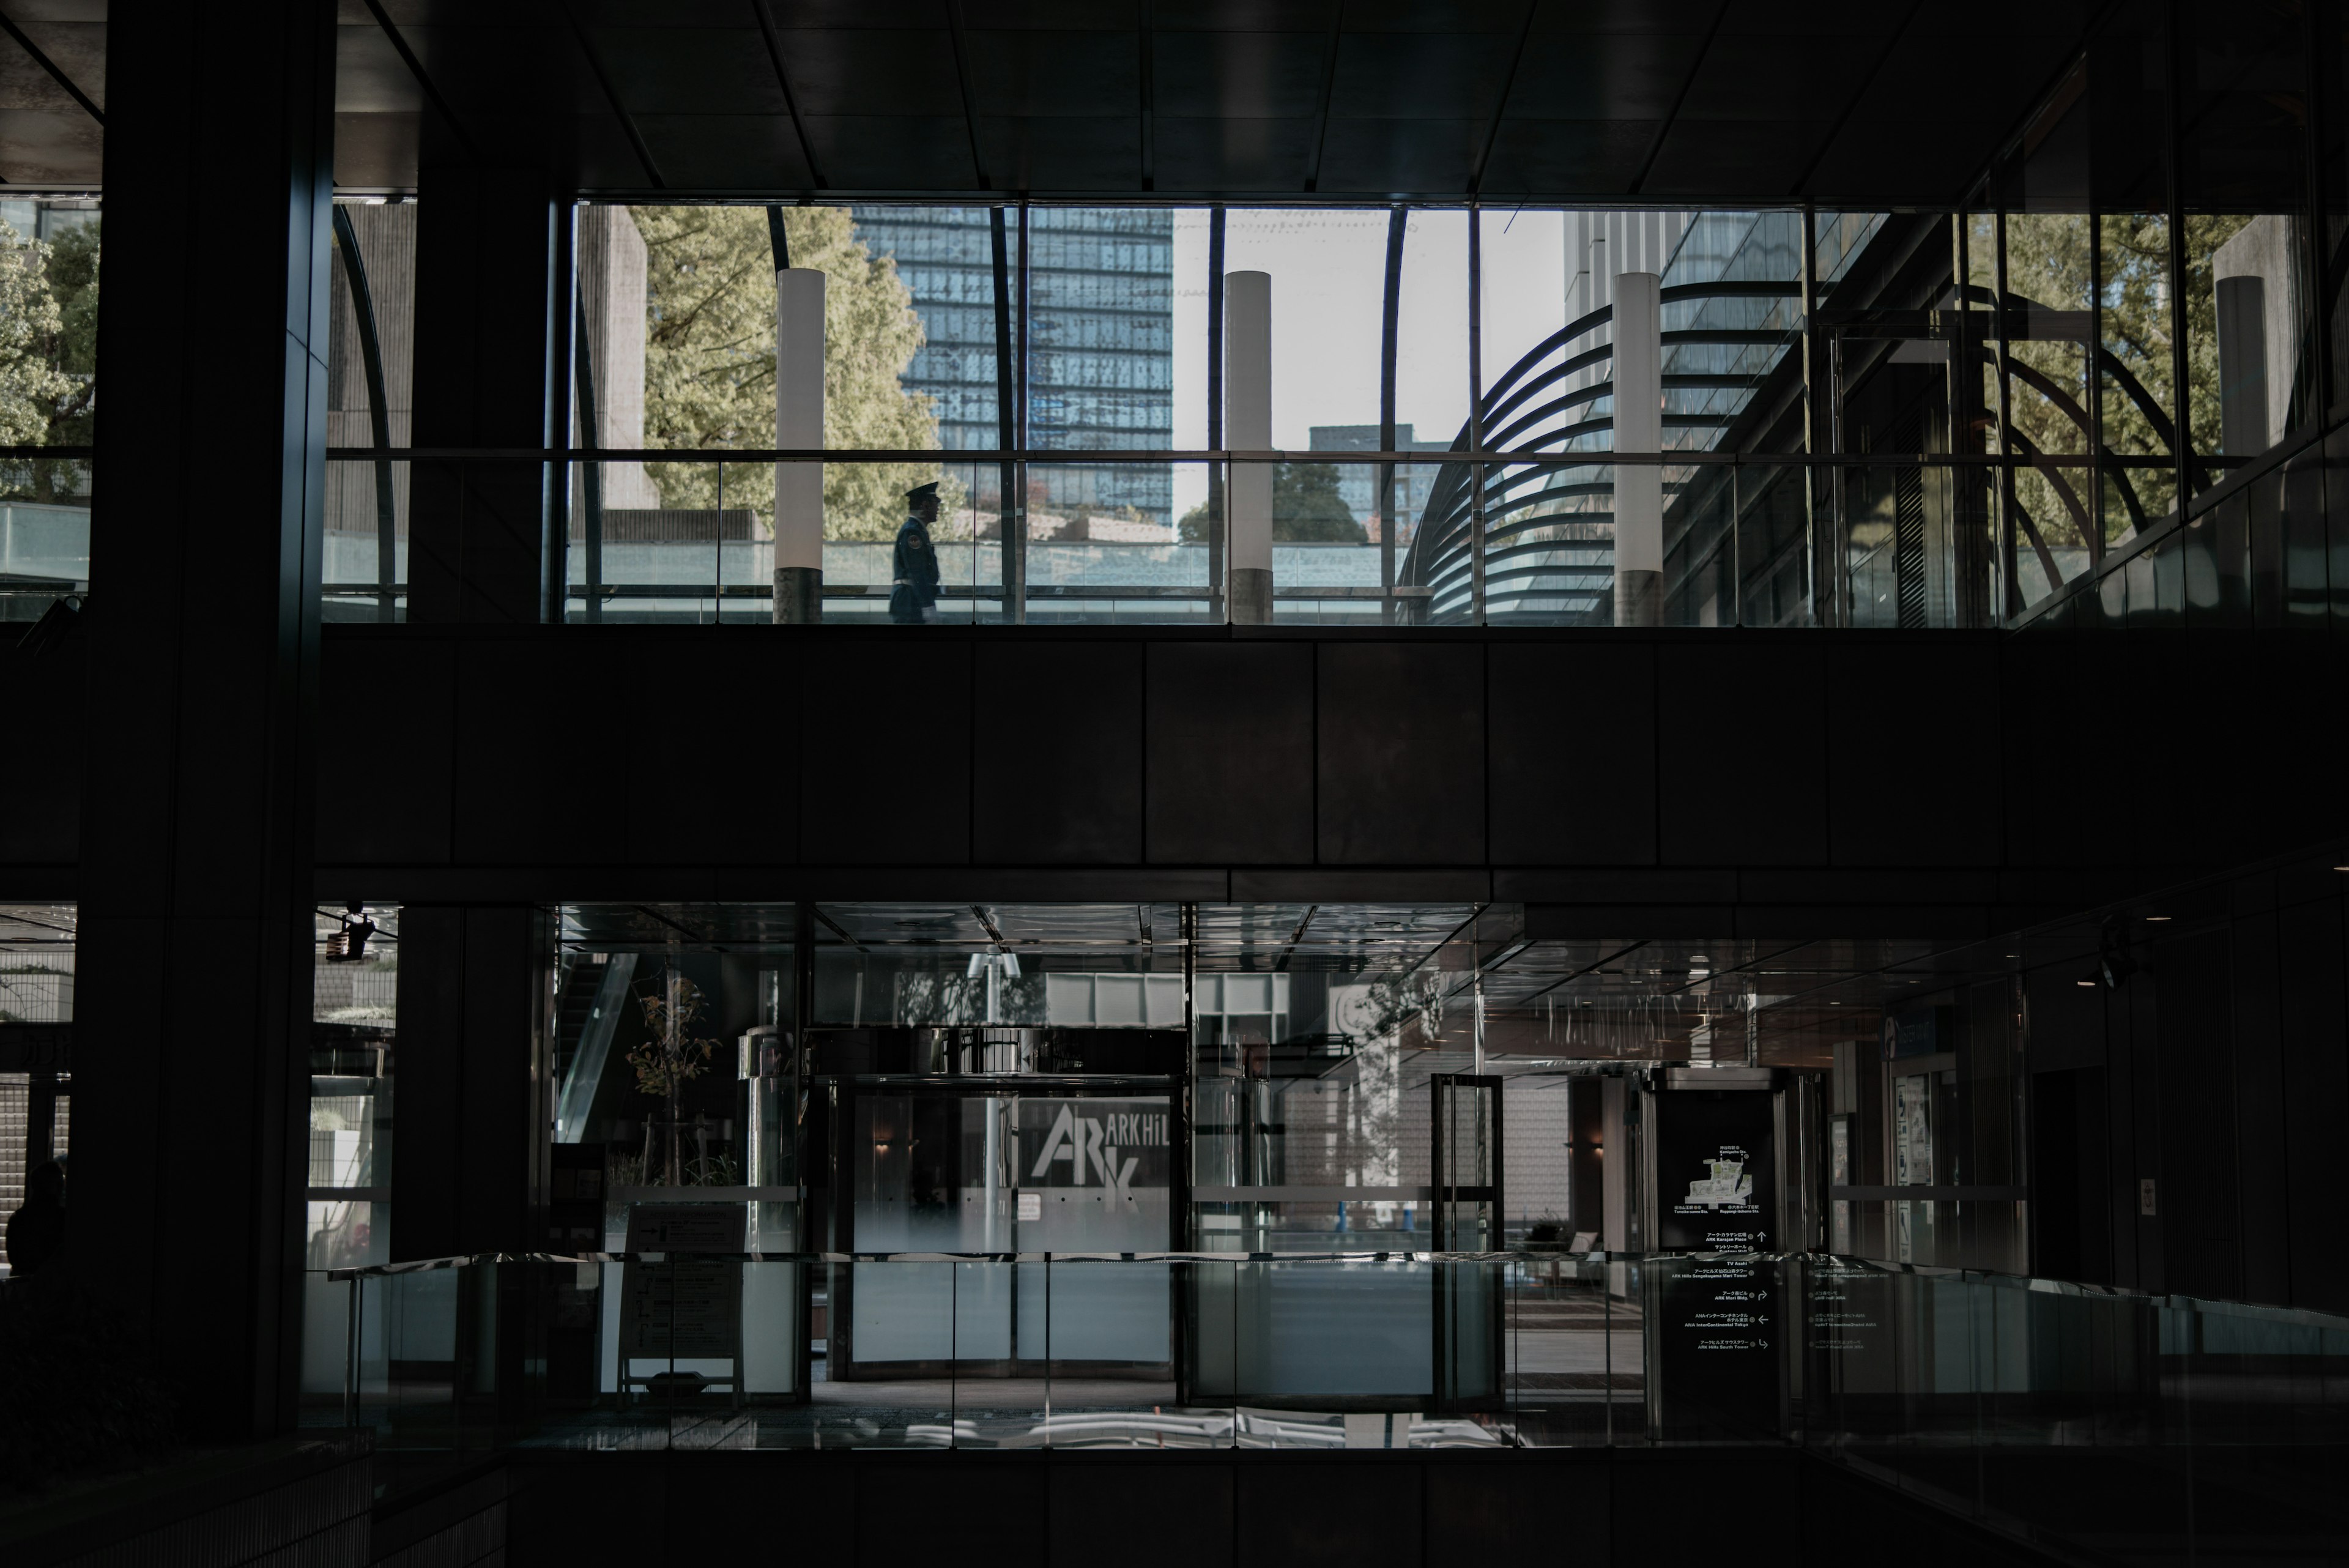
(923, 492)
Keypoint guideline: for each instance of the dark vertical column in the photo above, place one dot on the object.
(2264, 1173)
(189, 1154)
(492, 357)
(1215, 415)
(1013, 552)
(1822, 532)
(471, 1126)
(1389, 310)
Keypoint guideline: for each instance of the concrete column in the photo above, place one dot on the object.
(191, 1148)
(798, 422)
(1247, 426)
(475, 1102)
(1639, 428)
(2242, 365)
(492, 368)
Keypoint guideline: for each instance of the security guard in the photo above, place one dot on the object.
(913, 567)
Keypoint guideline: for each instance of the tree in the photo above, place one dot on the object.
(2048, 265)
(710, 360)
(31, 323)
(1305, 510)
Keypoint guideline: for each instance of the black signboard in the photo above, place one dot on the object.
(1717, 1326)
(1715, 1189)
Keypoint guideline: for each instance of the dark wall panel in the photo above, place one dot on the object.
(1188, 1510)
(1056, 754)
(40, 785)
(1401, 766)
(1229, 770)
(2316, 1091)
(2040, 702)
(516, 752)
(2263, 1167)
(1742, 758)
(885, 758)
(387, 730)
(1364, 1519)
(2200, 1193)
(699, 789)
(1572, 738)
(1912, 756)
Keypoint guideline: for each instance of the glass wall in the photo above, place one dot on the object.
(1867, 419)
(49, 335)
(37, 1014)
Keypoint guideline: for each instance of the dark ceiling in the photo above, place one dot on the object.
(1844, 101)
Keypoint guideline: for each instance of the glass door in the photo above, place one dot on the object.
(1466, 1164)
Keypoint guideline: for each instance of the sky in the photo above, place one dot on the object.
(1327, 274)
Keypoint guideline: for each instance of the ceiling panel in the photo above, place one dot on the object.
(689, 70)
(1735, 98)
(1239, 76)
(726, 152)
(1055, 75)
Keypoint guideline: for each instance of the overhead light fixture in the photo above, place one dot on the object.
(2156, 918)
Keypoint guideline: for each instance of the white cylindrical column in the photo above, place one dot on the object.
(1247, 426)
(1639, 428)
(798, 422)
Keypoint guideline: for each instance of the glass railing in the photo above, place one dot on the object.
(2046, 1411)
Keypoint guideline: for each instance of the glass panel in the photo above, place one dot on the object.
(43, 534)
(2250, 376)
(1772, 531)
(1099, 561)
(944, 259)
(1099, 369)
(371, 343)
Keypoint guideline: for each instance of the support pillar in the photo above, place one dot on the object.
(798, 422)
(190, 1148)
(1247, 426)
(493, 323)
(471, 1126)
(1638, 430)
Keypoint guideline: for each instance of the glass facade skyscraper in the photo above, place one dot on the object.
(1100, 360)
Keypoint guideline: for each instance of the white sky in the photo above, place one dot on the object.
(1328, 274)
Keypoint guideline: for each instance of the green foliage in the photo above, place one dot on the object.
(73, 348)
(31, 322)
(1305, 510)
(710, 362)
(2049, 265)
(665, 1063)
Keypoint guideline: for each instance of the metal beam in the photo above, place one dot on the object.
(431, 94)
(51, 67)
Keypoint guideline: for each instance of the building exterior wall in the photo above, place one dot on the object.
(1099, 369)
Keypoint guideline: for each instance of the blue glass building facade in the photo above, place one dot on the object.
(1100, 371)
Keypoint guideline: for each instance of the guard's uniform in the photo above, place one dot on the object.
(914, 573)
